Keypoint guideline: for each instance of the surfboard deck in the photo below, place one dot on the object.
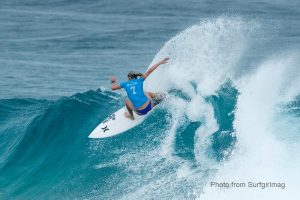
(118, 123)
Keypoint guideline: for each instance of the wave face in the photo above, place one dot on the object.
(228, 117)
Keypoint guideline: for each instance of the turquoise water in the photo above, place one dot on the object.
(231, 115)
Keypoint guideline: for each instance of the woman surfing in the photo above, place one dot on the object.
(138, 101)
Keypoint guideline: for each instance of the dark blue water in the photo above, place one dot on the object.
(233, 77)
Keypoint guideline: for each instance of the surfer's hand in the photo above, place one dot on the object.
(113, 79)
(165, 60)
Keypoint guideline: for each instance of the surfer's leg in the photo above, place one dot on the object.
(130, 109)
(156, 98)
(150, 95)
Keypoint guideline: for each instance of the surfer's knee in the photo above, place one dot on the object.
(150, 95)
(127, 102)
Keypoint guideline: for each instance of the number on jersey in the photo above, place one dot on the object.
(133, 89)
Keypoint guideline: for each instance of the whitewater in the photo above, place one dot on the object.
(231, 116)
(265, 127)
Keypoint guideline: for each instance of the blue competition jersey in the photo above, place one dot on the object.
(135, 91)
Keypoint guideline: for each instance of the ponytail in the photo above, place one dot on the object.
(134, 75)
(139, 74)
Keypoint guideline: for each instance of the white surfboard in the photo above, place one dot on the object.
(115, 124)
(118, 123)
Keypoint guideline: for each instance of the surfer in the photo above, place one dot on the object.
(138, 101)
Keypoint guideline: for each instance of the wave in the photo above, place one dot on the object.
(38, 136)
(44, 144)
(227, 118)
(206, 57)
(268, 139)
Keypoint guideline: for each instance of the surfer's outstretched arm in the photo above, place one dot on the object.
(114, 84)
(151, 69)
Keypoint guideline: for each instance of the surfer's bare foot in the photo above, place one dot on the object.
(129, 116)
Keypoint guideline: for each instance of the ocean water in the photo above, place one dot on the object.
(232, 112)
